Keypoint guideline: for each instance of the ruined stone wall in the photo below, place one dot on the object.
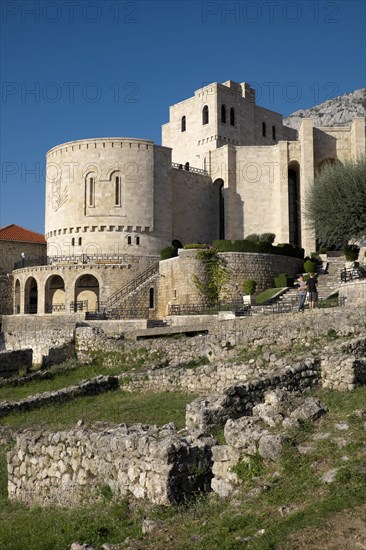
(39, 333)
(72, 467)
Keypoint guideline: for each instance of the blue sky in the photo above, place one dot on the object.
(74, 69)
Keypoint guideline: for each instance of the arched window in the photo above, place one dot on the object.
(223, 114)
(91, 191)
(79, 241)
(129, 240)
(274, 132)
(186, 166)
(232, 117)
(73, 242)
(117, 191)
(264, 131)
(183, 124)
(137, 240)
(205, 115)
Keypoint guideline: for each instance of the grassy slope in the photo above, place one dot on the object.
(293, 482)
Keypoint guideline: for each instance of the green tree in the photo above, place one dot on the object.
(336, 202)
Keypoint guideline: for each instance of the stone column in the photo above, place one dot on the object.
(306, 180)
(357, 138)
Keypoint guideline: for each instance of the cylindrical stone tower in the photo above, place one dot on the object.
(108, 196)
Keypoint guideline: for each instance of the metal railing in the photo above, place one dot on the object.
(53, 308)
(186, 167)
(73, 259)
(209, 309)
(351, 274)
(132, 285)
(79, 305)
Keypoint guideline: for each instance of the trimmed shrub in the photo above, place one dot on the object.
(249, 286)
(259, 247)
(168, 252)
(253, 237)
(284, 280)
(351, 252)
(267, 238)
(309, 266)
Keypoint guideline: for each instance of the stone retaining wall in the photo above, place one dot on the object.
(176, 282)
(354, 292)
(72, 467)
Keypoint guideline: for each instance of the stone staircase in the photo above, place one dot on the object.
(115, 305)
(328, 284)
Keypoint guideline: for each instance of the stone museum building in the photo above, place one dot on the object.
(226, 168)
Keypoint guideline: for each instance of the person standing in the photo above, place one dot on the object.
(312, 290)
(302, 288)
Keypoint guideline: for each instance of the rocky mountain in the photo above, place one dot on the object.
(335, 112)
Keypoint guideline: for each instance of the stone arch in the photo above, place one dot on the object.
(55, 297)
(116, 178)
(91, 177)
(325, 162)
(177, 243)
(31, 296)
(17, 297)
(86, 293)
(294, 203)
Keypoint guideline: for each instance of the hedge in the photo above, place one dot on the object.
(259, 247)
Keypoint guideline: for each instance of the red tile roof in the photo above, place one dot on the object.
(14, 232)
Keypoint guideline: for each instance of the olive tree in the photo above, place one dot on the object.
(336, 202)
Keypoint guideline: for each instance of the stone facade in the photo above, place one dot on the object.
(236, 170)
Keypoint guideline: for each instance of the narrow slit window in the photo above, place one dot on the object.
(264, 132)
(232, 116)
(138, 241)
(117, 190)
(205, 115)
(79, 241)
(223, 114)
(183, 124)
(274, 133)
(91, 191)
(129, 240)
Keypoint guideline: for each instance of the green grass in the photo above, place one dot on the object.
(266, 295)
(71, 373)
(210, 522)
(117, 406)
